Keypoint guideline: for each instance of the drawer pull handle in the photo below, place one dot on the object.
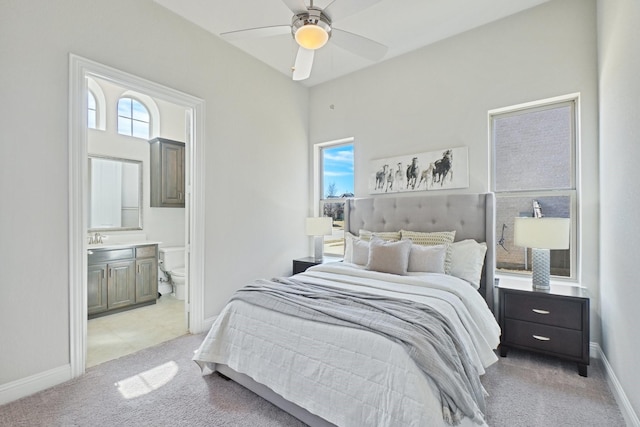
(541, 338)
(536, 310)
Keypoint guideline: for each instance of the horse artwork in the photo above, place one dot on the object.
(381, 177)
(436, 173)
(442, 167)
(412, 173)
(399, 177)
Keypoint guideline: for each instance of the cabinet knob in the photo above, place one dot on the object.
(537, 310)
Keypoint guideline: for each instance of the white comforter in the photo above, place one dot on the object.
(348, 376)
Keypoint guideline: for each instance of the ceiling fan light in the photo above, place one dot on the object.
(311, 36)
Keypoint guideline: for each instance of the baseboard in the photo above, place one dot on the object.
(630, 417)
(33, 384)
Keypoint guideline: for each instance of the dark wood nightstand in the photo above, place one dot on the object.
(300, 265)
(554, 322)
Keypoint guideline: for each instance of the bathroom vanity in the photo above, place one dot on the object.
(121, 277)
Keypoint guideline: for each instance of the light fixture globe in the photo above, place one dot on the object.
(311, 30)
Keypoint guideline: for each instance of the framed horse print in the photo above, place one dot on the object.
(443, 169)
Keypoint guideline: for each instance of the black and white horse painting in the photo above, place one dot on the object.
(428, 171)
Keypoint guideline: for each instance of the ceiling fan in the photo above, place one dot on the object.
(312, 28)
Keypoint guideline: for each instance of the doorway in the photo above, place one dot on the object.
(80, 69)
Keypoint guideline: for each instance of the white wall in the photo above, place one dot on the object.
(256, 146)
(439, 96)
(166, 225)
(619, 69)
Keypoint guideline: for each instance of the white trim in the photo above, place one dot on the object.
(630, 417)
(79, 68)
(574, 194)
(34, 383)
(316, 169)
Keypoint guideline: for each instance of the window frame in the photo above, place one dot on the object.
(318, 182)
(132, 119)
(92, 112)
(572, 100)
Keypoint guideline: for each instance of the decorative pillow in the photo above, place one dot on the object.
(432, 238)
(389, 257)
(356, 250)
(428, 259)
(467, 259)
(384, 235)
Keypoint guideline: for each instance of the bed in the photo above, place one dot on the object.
(326, 372)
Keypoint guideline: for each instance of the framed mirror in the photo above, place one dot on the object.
(115, 194)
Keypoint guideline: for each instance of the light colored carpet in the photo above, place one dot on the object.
(161, 386)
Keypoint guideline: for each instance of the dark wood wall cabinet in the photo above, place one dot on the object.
(554, 322)
(167, 173)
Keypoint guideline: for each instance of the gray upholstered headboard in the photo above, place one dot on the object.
(471, 215)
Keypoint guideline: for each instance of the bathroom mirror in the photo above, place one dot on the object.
(115, 194)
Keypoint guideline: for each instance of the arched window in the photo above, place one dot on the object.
(91, 110)
(133, 118)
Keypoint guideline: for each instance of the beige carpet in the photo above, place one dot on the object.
(161, 386)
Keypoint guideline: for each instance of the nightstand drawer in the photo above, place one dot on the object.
(535, 336)
(549, 311)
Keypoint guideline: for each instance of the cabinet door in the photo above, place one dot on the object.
(121, 282)
(97, 288)
(146, 280)
(172, 181)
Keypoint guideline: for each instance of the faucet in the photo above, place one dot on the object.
(96, 238)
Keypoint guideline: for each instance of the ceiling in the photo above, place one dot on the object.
(401, 25)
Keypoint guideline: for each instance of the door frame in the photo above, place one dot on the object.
(79, 69)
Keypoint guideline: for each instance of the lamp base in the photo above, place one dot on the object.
(540, 263)
(318, 242)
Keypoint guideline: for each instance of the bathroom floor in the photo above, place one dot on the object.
(117, 335)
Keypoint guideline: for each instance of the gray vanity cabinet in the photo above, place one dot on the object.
(167, 173)
(121, 284)
(97, 288)
(120, 279)
(146, 273)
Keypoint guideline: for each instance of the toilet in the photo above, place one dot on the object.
(171, 265)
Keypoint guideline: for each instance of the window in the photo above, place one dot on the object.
(336, 183)
(92, 116)
(133, 118)
(534, 173)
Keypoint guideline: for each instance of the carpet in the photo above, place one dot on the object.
(162, 386)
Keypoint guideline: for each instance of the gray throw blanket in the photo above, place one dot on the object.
(426, 335)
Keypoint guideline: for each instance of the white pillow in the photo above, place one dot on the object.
(467, 259)
(428, 259)
(356, 250)
(389, 257)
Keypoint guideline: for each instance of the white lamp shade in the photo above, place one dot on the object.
(542, 233)
(319, 226)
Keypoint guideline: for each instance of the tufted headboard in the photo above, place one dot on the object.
(471, 215)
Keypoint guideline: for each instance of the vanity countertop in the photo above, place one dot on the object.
(118, 245)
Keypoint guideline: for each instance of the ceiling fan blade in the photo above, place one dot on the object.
(275, 30)
(304, 62)
(296, 6)
(359, 45)
(339, 9)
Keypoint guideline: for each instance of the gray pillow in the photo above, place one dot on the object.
(389, 257)
(427, 258)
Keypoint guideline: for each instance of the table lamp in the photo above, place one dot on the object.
(318, 227)
(541, 235)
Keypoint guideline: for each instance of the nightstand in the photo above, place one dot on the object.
(300, 265)
(554, 321)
